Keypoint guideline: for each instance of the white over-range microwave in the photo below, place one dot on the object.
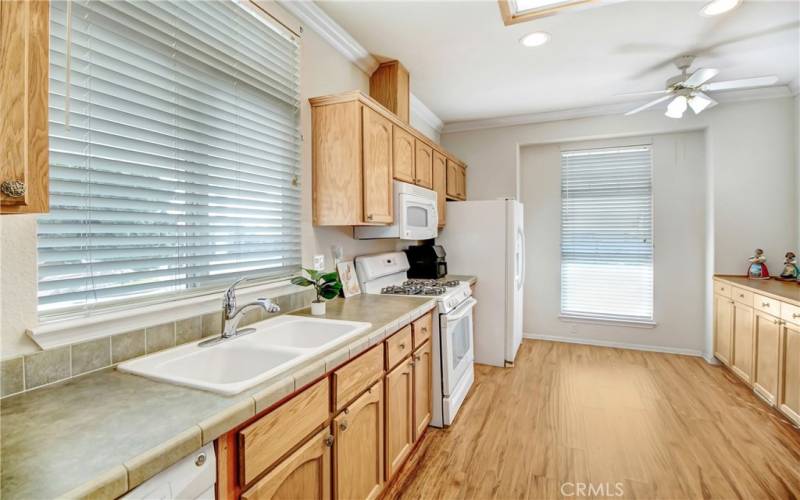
(415, 216)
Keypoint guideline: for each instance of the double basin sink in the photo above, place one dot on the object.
(240, 363)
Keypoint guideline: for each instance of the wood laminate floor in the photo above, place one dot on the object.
(660, 425)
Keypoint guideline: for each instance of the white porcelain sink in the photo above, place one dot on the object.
(234, 365)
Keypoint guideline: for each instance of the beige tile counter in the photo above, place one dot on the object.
(104, 433)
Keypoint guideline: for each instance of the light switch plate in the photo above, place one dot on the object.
(319, 262)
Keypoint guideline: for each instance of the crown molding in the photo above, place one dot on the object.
(602, 110)
(423, 112)
(315, 18)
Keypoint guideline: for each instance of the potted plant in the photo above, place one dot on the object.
(327, 286)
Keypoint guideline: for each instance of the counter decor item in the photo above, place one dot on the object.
(758, 266)
(790, 270)
(347, 274)
(327, 286)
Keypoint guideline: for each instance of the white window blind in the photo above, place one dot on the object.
(174, 151)
(607, 234)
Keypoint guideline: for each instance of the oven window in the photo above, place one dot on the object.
(417, 216)
(460, 337)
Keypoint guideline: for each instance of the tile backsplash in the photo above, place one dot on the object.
(35, 370)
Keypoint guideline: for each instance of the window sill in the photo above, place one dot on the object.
(594, 320)
(62, 332)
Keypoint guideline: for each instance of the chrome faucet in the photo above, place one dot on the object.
(231, 316)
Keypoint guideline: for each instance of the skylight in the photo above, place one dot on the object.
(518, 11)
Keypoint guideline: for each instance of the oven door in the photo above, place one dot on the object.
(417, 217)
(456, 339)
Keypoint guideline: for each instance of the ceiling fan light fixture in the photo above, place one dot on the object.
(677, 107)
(535, 39)
(717, 7)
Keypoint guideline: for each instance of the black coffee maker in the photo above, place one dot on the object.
(427, 261)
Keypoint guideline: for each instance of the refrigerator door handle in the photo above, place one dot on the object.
(521, 236)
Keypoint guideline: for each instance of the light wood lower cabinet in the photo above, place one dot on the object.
(423, 397)
(789, 401)
(399, 416)
(358, 447)
(305, 474)
(743, 337)
(723, 328)
(765, 378)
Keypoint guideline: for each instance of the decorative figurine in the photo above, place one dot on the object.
(758, 267)
(790, 270)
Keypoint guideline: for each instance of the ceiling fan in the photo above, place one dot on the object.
(689, 90)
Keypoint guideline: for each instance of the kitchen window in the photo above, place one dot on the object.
(607, 234)
(174, 152)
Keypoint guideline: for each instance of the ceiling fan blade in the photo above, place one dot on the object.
(648, 105)
(652, 92)
(761, 81)
(700, 77)
(700, 102)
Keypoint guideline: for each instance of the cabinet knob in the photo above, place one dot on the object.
(344, 425)
(329, 440)
(416, 357)
(795, 316)
(424, 328)
(402, 346)
(765, 304)
(13, 189)
(741, 295)
(370, 217)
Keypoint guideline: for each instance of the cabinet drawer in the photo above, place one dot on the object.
(355, 377)
(742, 296)
(422, 329)
(790, 313)
(723, 289)
(767, 305)
(263, 442)
(398, 346)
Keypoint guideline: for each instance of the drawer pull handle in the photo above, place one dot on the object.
(765, 304)
(13, 189)
(741, 295)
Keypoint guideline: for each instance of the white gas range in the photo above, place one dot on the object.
(452, 349)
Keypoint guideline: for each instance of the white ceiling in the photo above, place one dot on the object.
(466, 65)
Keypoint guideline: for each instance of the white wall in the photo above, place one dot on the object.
(750, 147)
(323, 71)
(679, 192)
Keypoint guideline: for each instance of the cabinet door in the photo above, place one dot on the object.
(403, 150)
(462, 183)
(723, 328)
(452, 179)
(358, 447)
(440, 184)
(303, 474)
(765, 378)
(399, 416)
(424, 165)
(24, 31)
(422, 389)
(790, 388)
(743, 335)
(377, 166)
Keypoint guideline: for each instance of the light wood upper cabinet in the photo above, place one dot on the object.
(423, 397)
(358, 447)
(424, 165)
(440, 184)
(723, 328)
(377, 168)
(403, 155)
(399, 416)
(789, 402)
(390, 86)
(743, 338)
(767, 361)
(303, 474)
(456, 180)
(24, 150)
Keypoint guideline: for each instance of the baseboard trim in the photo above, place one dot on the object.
(617, 345)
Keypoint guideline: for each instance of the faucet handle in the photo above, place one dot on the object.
(229, 299)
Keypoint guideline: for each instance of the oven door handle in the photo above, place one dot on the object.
(462, 310)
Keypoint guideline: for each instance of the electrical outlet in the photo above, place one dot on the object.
(319, 262)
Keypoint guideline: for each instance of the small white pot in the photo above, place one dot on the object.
(318, 308)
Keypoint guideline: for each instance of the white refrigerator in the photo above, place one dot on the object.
(487, 239)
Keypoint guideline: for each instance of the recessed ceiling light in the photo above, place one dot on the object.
(717, 7)
(535, 39)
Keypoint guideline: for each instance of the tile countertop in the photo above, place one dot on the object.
(787, 291)
(460, 277)
(105, 433)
